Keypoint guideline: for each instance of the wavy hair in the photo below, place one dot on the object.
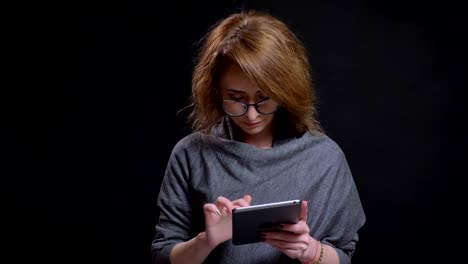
(270, 55)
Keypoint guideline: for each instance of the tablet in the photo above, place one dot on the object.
(249, 221)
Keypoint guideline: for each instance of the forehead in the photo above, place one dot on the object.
(233, 78)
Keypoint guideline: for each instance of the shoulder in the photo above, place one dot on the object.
(322, 149)
(322, 143)
(331, 160)
(188, 143)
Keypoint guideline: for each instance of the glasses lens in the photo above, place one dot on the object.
(234, 108)
(267, 107)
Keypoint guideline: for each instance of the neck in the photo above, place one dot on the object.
(263, 140)
(259, 142)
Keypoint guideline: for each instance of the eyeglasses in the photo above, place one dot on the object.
(236, 108)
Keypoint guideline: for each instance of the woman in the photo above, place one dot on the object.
(256, 141)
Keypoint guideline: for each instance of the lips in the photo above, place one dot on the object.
(252, 124)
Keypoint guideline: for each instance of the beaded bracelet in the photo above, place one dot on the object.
(321, 254)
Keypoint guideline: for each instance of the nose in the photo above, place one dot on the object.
(251, 113)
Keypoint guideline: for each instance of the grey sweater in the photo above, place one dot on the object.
(310, 167)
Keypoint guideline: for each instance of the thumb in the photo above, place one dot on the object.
(303, 212)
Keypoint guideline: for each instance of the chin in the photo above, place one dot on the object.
(253, 131)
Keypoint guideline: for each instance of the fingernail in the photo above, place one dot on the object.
(218, 212)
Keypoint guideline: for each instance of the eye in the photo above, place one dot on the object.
(263, 98)
(235, 98)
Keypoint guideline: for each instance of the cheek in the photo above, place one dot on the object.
(268, 118)
(236, 120)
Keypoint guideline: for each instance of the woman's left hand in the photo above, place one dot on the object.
(294, 239)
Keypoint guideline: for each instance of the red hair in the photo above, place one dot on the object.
(270, 55)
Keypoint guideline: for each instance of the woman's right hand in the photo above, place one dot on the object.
(218, 218)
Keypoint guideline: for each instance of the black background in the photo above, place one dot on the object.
(97, 86)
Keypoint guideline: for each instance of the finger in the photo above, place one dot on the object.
(292, 253)
(242, 202)
(248, 198)
(211, 208)
(223, 202)
(303, 212)
(286, 237)
(285, 245)
(300, 228)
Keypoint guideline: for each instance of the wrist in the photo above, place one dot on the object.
(314, 252)
(203, 241)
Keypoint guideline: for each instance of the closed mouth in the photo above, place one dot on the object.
(253, 124)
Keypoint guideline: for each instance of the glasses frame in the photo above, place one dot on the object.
(255, 105)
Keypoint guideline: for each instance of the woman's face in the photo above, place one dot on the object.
(237, 87)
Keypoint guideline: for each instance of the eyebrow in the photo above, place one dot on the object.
(243, 92)
(235, 91)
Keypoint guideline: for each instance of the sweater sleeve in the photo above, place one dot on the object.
(345, 215)
(174, 223)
